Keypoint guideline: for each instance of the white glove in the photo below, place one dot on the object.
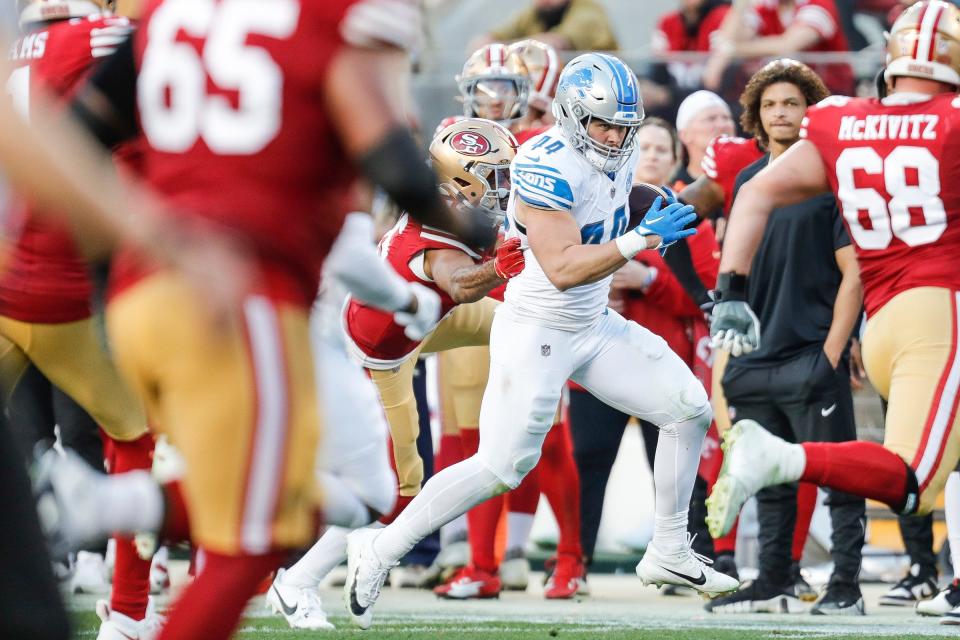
(417, 325)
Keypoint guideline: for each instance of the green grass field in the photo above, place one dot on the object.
(423, 628)
(619, 609)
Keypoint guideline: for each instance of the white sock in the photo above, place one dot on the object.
(329, 551)
(674, 472)
(518, 529)
(446, 495)
(341, 505)
(670, 532)
(130, 502)
(951, 508)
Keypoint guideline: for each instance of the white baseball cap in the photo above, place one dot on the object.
(695, 103)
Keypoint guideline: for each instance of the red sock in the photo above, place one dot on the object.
(806, 503)
(176, 519)
(450, 453)
(864, 469)
(526, 497)
(131, 573)
(402, 502)
(560, 482)
(223, 585)
(483, 519)
(727, 543)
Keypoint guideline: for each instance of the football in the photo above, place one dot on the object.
(642, 196)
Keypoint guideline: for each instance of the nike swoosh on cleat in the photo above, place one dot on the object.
(355, 607)
(697, 581)
(826, 412)
(287, 609)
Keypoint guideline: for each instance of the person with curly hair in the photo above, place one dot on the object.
(807, 293)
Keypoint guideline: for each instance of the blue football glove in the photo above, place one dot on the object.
(668, 222)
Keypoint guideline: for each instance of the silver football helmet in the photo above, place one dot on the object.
(598, 86)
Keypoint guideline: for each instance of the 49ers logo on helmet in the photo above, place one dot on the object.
(470, 143)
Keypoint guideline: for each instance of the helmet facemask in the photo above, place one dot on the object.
(509, 93)
(600, 87)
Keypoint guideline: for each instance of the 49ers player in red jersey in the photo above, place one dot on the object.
(240, 127)
(472, 158)
(45, 288)
(890, 164)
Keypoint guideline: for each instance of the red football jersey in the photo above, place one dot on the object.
(45, 279)
(373, 331)
(230, 98)
(823, 17)
(892, 166)
(725, 158)
(672, 33)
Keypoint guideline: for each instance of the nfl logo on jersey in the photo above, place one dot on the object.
(545, 350)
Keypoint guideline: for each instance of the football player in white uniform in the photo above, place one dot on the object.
(353, 468)
(569, 206)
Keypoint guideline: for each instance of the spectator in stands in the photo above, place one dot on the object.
(573, 25)
(766, 28)
(688, 29)
(702, 116)
(691, 28)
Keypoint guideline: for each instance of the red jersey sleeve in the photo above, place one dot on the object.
(725, 158)
(819, 15)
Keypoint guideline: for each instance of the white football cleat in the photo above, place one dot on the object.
(515, 570)
(300, 607)
(943, 603)
(366, 574)
(67, 490)
(753, 458)
(686, 568)
(89, 576)
(116, 626)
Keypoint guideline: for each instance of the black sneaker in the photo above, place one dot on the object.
(726, 564)
(756, 597)
(841, 598)
(919, 584)
(801, 587)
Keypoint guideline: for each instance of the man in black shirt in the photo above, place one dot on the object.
(806, 291)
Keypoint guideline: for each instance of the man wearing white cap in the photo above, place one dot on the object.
(702, 116)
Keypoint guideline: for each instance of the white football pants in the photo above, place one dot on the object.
(618, 361)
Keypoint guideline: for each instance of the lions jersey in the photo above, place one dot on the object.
(548, 173)
(891, 165)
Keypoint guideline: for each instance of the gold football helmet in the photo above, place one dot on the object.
(494, 84)
(47, 10)
(472, 160)
(543, 68)
(924, 42)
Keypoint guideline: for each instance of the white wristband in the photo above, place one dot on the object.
(630, 244)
